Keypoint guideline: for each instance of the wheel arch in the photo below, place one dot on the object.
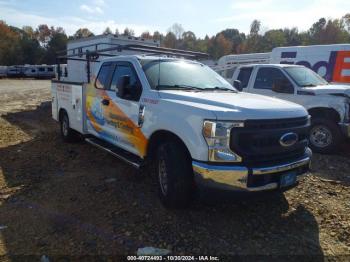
(61, 113)
(325, 112)
(159, 137)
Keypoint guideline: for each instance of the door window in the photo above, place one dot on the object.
(266, 77)
(127, 70)
(244, 76)
(102, 81)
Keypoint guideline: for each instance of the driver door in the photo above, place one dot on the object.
(265, 79)
(123, 113)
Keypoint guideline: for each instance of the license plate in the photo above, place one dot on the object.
(288, 179)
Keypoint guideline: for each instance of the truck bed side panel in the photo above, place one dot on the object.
(70, 98)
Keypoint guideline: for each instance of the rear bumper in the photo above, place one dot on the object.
(345, 128)
(248, 178)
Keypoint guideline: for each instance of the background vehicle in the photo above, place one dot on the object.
(3, 71)
(327, 104)
(332, 62)
(39, 71)
(15, 71)
(185, 121)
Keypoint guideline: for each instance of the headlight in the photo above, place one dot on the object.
(217, 135)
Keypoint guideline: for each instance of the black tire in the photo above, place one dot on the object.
(325, 135)
(68, 135)
(174, 173)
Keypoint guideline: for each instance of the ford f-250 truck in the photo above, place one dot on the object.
(328, 104)
(187, 122)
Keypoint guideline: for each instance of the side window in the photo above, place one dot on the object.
(244, 76)
(126, 70)
(266, 77)
(102, 80)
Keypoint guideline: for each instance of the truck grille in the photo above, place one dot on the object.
(258, 142)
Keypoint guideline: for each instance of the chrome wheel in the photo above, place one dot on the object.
(163, 176)
(321, 136)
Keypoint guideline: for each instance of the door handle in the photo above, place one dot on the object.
(105, 102)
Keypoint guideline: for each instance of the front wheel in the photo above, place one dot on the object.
(325, 135)
(175, 175)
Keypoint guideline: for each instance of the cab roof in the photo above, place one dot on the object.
(275, 65)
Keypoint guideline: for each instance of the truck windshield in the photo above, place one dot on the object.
(183, 75)
(305, 77)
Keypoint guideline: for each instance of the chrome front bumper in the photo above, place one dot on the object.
(236, 177)
(345, 128)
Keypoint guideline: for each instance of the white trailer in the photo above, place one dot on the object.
(3, 71)
(39, 71)
(227, 65)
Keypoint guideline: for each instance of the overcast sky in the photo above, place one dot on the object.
(200, 16)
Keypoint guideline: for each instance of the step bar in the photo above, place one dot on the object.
(127, 157)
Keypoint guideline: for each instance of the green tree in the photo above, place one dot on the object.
(57, 43)
(82, 33)
(8, 44)
(189, 40)
(128, 32)
(169, 40)
(157, 36)
(177, 30)
(146, 35)
(272, 39)
(254, 40)
(236, 38)
(107, 31)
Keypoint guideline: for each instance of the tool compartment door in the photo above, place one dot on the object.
(70, 98)
(54, 101)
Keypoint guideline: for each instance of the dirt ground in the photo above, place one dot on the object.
(73, 199)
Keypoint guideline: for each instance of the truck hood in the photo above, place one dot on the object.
(341, 90)
(235, 106)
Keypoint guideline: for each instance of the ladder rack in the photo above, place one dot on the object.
(93, 55)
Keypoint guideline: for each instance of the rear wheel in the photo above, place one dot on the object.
(68, 134)
(175, 175)
(325, 135)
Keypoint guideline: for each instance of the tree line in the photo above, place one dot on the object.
(39, 46)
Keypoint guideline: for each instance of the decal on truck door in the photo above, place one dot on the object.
(112, 116)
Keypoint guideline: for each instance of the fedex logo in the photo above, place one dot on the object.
(337, 68)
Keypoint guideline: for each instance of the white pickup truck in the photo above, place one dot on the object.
(186, 121)
(328, 104)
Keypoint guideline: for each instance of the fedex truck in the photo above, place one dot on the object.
(332, 62)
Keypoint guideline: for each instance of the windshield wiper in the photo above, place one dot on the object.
(309, 85)
(178, 87)
(223, 88)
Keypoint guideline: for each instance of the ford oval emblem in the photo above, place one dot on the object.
(288, 139)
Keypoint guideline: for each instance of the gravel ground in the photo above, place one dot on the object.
(64, 199)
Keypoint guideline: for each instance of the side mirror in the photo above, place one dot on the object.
(238, 85)
(283, 86)
(123, 86)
